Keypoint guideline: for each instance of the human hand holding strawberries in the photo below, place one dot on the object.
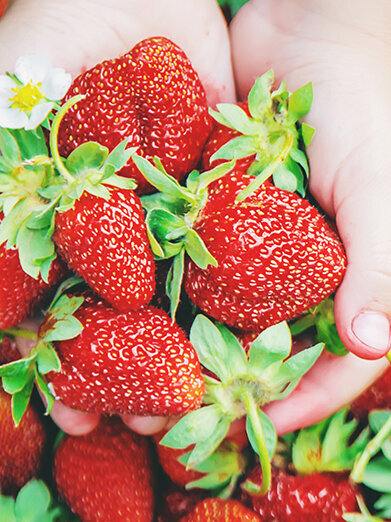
(218, 82)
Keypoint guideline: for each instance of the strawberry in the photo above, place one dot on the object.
(20, 293)
(106, 475)
(276, 256)
(175, 502)
(377, 396)
(138, 362)
(3, 7)
(218, 510)
(105, 242)
(323, 497)
(21, 448)
(8, 350)
(153, 97)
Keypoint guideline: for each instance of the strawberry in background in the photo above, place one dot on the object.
(3, 7)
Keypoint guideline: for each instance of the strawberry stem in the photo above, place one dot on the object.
(267, 171)
(21, 332)
(54, 138)
(252, 412)
(302, 324)
(370, 450)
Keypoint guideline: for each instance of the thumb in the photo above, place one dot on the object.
(363, 301)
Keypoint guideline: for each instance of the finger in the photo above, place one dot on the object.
(330, 385)
(77, 34)
(145, 425)
(67, 419)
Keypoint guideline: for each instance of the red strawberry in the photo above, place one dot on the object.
(8, 351)
(138, 362)
(218, 510)
(323, 497)
(19, 292)
(377, 396)
(153, 97)
(105, 242)
(106, 475)
(276, 256)
(175, 502)
(21, 448)
(3, 7)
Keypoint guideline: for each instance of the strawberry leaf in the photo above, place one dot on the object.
(20, 399)
(259, 98)
(285, 179)
(272, 345)
(45, 391)
(174, 281)
(377, 475)
(196, 426)
(117, 159)
(269, 433)
(377, 420)
(383, 505)
(300, 102)
(16, 374)
(205, 448)
(46, 358)
(238, 119)
(307, 133)
(237, 148)
(30, 143)
(197, 250)
(9, 148)
(89, 155)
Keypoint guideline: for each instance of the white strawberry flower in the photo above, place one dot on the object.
(28, 95)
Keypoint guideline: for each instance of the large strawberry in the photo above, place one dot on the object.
(106, 475)
(152, 96)
(218, 510)
(99, 360)
(21, 448)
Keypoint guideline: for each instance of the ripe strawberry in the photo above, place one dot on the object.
(106, 475)
(276, 256)
(152, 96)
(377, 396)
(3, 7)
(20, 293)
(105, 242)
(8, 351)
(218, 510)
(323, 497)
(138, 362)
(21, 448)
(175, 502)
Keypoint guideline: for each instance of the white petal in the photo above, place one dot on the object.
(56, 84)
(38, 114)
(6, 84)
(32, 68)
(12, 118)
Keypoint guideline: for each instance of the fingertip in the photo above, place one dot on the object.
(145, 425)
(73, 422)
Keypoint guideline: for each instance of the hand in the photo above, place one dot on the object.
(344, 49)
(76, 35)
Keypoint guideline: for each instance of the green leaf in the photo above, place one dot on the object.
(237, 356)
(89, 155)
(259, 98)
(297, 365)
(307, 133)
(237, 118)
(194, 427)
(9, 147)
(237, 148)
(30, 143)
(377, 475)
(272, 345)
(174, 281)
(206, 447)
(197, 250)
(15, 374)
(21, 398)
(300, 102)
(120, 182)
(118, 158)
(47, 358)
(162, 181)
(284, 179)
(383, 505)
(33, 246)
(7, 509)
(32, 501)
(269, 433)
(300, 158)
(211, 348)
(377, 419)
(97, 190)
(209, 176)
(45, 391)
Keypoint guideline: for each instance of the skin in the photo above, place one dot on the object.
(311, 46)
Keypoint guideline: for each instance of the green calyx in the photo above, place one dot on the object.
(35, 185)
(18, 377)
(33, 503)
(328, 445)
(272, 132)
(322, 318)
(240, 386)
(221, 470)
(170, 216)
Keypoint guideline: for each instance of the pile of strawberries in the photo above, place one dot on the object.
(165, 290)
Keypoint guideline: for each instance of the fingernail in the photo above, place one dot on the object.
(372, 329)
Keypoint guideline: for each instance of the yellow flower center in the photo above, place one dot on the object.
(26, 97)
